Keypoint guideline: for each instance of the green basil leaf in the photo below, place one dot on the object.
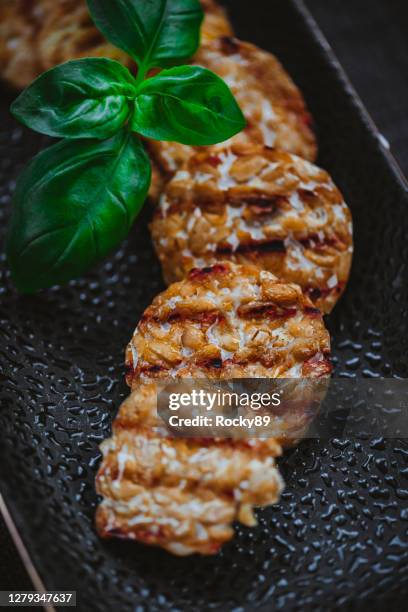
(187, 104)
(153, 32)
(85, 98)
(73, 204)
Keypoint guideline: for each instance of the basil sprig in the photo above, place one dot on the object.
(77, 200)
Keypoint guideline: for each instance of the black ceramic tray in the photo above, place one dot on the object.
(338, 538)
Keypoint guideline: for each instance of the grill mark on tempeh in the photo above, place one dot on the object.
(205, 317)
(209, 317)
(229, 45)
(258, 204)
(270, 310)
(312, 312)
(266, 203)
(200, 274)
(209, 364)
(213, 363)
(313, 242)
(125, 424)
(317, 292)
(267, 246)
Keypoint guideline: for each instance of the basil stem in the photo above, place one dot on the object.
(77, 200)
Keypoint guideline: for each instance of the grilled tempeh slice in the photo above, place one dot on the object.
(229, 321)
(35, 36)
(272, 104)
(222, 322)
(180, 494)
(252, 204)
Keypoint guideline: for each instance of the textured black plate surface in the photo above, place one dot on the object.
(338, 538)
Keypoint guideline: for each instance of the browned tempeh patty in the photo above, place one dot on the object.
(250, 204)
(180, 494)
